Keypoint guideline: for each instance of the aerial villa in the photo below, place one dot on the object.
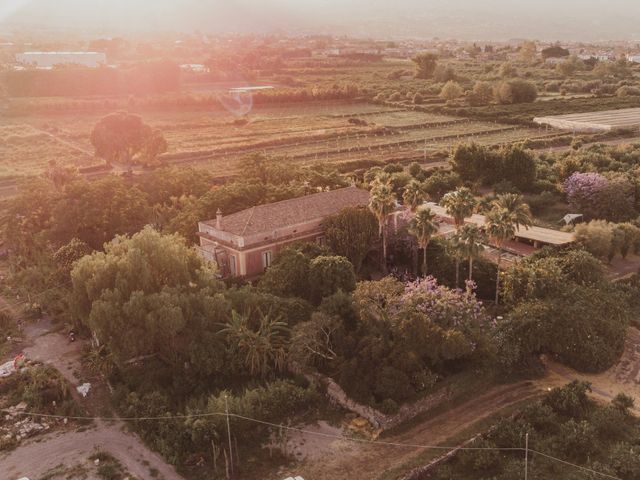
(243, 244)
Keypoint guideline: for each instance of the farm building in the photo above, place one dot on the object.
(526, 240)
(244, 244)
(50, 59)
(627, 118)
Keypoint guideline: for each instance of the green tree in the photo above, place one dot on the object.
(596, 237)
(482, 94)
(470, 241)
(451, 91)
(413, 195)
(517, 209)
(518, 167)
(327, 275)
(516, 91)
(96, 211)
(66, 256)
(500, 227)
(423, 226)
(460, 204)
(264, 348)
(151, 295)
(382, 203)
(351, 233)
(121, 137)
(426, 64)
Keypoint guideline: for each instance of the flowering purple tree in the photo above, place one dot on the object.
(597, 196)
(445, 307)
(582, 189)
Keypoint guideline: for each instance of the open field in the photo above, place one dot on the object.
(334, 133)
(25, 150)
(604, 121)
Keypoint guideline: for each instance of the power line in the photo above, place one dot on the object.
(321, 434)
(606, 475)
(17, 304)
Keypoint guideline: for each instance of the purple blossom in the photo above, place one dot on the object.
(446, 307)
(582, 188)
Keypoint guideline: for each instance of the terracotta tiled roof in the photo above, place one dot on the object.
(271, 216)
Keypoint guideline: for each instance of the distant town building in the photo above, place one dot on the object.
(245, 243)
(194, 68)
(634, 58)
(51, 59)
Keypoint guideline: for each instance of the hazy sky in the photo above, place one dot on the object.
(482, 19)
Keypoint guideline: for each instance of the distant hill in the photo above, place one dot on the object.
(465, 19)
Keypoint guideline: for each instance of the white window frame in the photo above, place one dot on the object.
(233, 266)
(267, 259)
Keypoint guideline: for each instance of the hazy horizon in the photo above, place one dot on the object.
(465, 19)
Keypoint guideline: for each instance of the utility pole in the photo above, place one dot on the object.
(526, 456)
(226, 409)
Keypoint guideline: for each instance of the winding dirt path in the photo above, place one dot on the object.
(42, 453)
(358, 461)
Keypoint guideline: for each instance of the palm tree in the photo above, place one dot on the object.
(500, 227)
(382, 203)
(413, 195)
(508, 214)
(520, 212)
(423, 226)
(460, 204)
(470, 243)
(264, 348)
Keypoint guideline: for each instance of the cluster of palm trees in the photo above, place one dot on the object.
(504, 216)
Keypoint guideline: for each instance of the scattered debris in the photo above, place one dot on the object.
(84, 389)
(7, 369)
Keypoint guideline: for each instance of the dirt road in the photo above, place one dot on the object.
(344, 459)
(37, 456)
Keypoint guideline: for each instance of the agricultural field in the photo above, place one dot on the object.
(25, 150)
(335, 133)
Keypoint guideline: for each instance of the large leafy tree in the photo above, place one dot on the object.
(460, 204)
(150, 294)
(351, 233)
(426, 64)
(423, 226)
(97, 211)
(328, 274)
(121, 137)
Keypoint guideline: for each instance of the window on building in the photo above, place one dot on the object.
(266, 259)
(233, 268)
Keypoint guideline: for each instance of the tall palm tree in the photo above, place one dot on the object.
(500, 227)
(470, 242)
(514, 204)
(423, 226)
(460, 204)
(508, 214)
(413, 195)
(382, 202)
